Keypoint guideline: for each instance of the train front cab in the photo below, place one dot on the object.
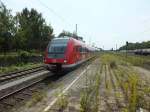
(56, 53)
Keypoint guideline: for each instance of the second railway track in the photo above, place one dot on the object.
(13, 90)
(14, 75)
(22, 81)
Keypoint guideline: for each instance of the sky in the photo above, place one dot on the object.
(104, 23)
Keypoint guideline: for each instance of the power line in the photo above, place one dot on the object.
(1, 1)
(56, 14)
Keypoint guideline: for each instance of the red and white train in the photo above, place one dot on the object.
(66, 53)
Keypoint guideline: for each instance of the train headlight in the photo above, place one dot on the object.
(65, 61)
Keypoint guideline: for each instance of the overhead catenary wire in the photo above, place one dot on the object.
(54, 12)
(1, 2)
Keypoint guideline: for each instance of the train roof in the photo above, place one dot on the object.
(64, 37)
(76, 41)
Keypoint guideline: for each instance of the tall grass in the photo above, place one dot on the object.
(90, 96)
(128, 80)
(62, 102)
(134, 59)
(36, 97)
(16, 67)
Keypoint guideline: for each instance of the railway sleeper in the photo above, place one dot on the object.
(27, 93)
(10, 102)
(19, 97)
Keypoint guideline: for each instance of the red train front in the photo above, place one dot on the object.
(65, 53)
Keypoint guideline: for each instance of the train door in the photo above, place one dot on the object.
(77, 55)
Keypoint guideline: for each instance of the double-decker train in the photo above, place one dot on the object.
(64, 53)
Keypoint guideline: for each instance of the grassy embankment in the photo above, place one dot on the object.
(136, 60)
(134, 90)
(21, 66)
(14, 61)
(32, 52)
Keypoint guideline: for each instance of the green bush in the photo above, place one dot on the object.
(113, 64)
(24, 55)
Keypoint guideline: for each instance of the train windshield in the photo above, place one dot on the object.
(57, 48)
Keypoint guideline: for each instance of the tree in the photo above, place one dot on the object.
(32, 29)
(133, 46)
(6, 28)
(47, 35)
(67, 33)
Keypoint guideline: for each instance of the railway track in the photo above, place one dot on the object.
(16, 82)
(15, 75)
(10, 100)
(21, 87)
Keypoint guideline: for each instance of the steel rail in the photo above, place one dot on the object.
(17, 74)
(25, 84)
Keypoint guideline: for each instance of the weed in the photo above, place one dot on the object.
(89, 100)
(36, 97)
(62, 102)
(133, 94)
(134, 90)
(84, 102)
(97, 92)
(113, 64)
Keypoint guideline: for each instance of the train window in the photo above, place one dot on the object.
(80, 49)
(59, 41)
(77, 48)
(57, 51)
(57, 47)
(83, 50)
(87, 50)
(52, 55)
